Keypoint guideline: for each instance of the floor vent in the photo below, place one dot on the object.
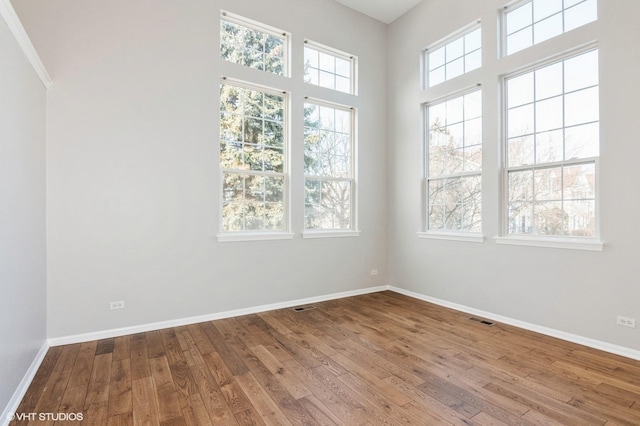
(303, 308)
(483, 322)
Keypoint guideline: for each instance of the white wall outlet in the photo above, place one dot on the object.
(374, 272)
(626, 322)
(116, 305)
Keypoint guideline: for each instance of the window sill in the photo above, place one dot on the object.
(559, 243)
(452, 236)
(254, 236)
(330, 234)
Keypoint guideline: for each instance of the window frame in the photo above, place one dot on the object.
(352, 59)
(591, 243)
(448, 234)
(353, 231)
(442, 43)
(520, 3)
(249, 235)
(264, 28)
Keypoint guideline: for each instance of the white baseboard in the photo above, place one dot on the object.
(105, 334)
(19, 393)
(574, 338)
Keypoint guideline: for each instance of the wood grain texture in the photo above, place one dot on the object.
(381, 358)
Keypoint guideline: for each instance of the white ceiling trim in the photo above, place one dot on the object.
(9, 15)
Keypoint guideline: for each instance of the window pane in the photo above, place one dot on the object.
(311, 58)
(251, 47)
(579, 182)
(580, 218)
(520, 218)
(437, 115)
(327, 62)
(547, 29)
(581, 107)
(343, 67)
(471, 191)
(520, 40)
(436, 76)
(581, 71)
(521, 186)
(549, 81)
(343, 84)
(455, 110)
(473, 105)
(520, 121)
(473, 61)
(549, 147)
(455, 68)
(327, 80)
(548, 218)
(473, 158)
(548, 184)
(455, 49)
(472, 41)
(328, 204)
(520, 151)
(519, 18)
(582, 141)
(473, 132)
(332, 71)
(436, 58)
(545, 8)
(456, 135)
(520, 90)
(580, 15)
(549, 114)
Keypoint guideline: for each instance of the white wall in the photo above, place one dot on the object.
(22, 215)
(133, 185)
(571, 291)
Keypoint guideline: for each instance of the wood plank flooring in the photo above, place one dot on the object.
(375, 359)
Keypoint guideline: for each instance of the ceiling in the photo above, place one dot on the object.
(386, 11)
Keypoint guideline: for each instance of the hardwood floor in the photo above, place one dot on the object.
(381, 358)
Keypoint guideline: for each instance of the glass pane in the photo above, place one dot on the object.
(579, 182)
(273, 108)
(520, 151)
(273, 64)
(274, 189)
(569, 3)
(521, 186)
(327, 62)
(471, 191)
(311, 58)
(580, 218)
(548, 218)
(549, 114)
(455, 68)
(581, 107)
(233, 217)
(273, 134)
(582, 141)
(520, 40)
(335, 206)
(455, 49)
(520, 121)
(453, 205)
(343, 67)
(580, 15)
(549, 147)
(520, 218)
(548, 184)
(519, 18)
(473, 61)
(436, 76)
(473, 41)
(473, 158)
(274, 46)
(581, 71)
(253, 130)
(253, 103)
(473, 132)
(327, 118)
(342, 121)
(274, 216)
(545, 8)
(436, 59)
(312, 76)
(437, 115)
(549, 81)
(455, 110)
(273, 159)
(473, 105)
(438, 160)
(253, 157)
(231, 156)
(327, 80)
(455, 160)
(520, 90)
(456, 135)
(232, 187)
(343, 84)
(230, 127)
(437, 208)
(547, 29)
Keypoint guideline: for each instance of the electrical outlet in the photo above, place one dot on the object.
(116, 305)
(626, 322)
(374, 272)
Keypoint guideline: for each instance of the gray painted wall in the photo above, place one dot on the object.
(133, 183)
(572, 291)
(22, 215)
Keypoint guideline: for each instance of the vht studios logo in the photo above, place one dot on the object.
(55, 417)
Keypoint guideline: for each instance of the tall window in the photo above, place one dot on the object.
(454, 164)
(253, 45)
(253, 158)
(535, 21)
(553, 148)
(328, 68)
(329, 167)
(455, 57)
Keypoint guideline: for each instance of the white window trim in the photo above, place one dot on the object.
(259, 26)
(467, 29)
(225, 236)
(471, 237)
(352, 59)
(552, 241)
(589, 244)
(354, 231)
